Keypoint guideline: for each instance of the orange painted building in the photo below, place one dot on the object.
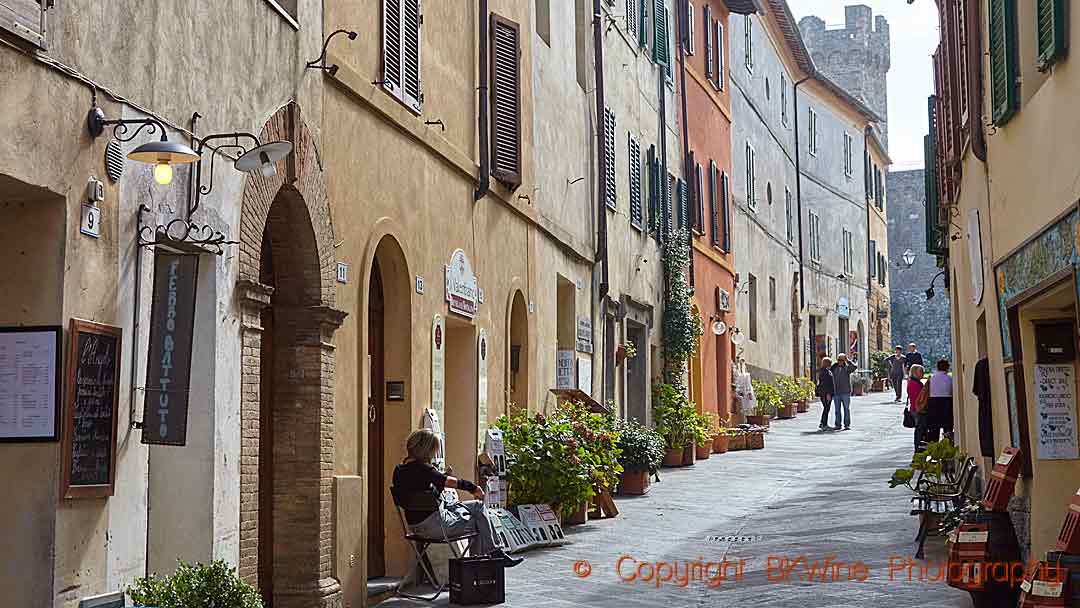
(706, 123)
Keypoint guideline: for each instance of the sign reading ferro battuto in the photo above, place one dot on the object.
(168, 365)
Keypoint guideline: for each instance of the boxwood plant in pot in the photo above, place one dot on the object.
(214, 585)
(704, 431)
(788, 388)
(767, 403)
(808, 391)
(641, 450)
(676, 421)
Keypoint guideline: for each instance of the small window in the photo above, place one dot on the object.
(768, 92)
(710, 47)
(848, 164)
(749, 43)
(772, 294)
(725, 212)
(788, 214)
(768, 193)
(543, 19)
(753, 307)
(690, 28)
(660, 33)
(751, 176)
(714, 211)
(815, 237)
(668, 70)
(783, 100)
(848, 252)
(719, 50)
(812, 132)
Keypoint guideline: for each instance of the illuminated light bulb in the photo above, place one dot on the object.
(267, 168)
(163, 173)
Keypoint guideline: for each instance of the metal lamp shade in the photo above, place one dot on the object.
(256, 158)
(163, 152)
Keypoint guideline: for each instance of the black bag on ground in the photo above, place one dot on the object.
(909, 418)
(477, 580)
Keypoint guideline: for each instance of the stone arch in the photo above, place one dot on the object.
(286, 295)
(518, 334)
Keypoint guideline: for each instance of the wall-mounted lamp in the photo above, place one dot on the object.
(319, 63)
(930, 290)
(260, 157)
(163, 154)
(737, 336)
(907, 259)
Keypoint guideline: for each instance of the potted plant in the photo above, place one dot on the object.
(737, 440)
(704, 430)
(859, 384)
(641, 450)
(788, 388)
(675, 420)
(879, 364)
(807, 392)
(722, 439)
(767, 402)
(214, 585)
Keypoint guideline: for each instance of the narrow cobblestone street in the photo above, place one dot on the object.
(809, 494)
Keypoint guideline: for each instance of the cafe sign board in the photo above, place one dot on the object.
(462, 292)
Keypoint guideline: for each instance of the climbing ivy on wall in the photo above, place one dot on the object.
(682, 325)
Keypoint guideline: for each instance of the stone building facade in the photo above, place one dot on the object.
(856, 57)
(914, 318)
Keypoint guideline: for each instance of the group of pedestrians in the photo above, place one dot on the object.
(834, 386)
(930, 403)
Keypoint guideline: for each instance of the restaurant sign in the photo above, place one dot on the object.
(168, 365)
(462, 292)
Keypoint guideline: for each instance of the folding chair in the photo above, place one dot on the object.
(425, 501)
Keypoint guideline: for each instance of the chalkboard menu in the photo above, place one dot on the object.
(93, 391)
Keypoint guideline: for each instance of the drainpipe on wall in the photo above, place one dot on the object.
(683, 12)
(601, 184)
(866, 163)
(483, 181)
(799, 209)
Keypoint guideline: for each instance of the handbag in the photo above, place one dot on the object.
(924, 399)
(909, 418)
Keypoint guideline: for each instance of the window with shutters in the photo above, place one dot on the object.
(772, 294)
(660, 33)
(1004, 96)
(285, 8)
(752, 293)
(783, 99)
(789, 215)
(655, 191)
(505, 102)
(610, 181)
(873, 259)
(748, 36)
(725, 213)
(751, 177)
(682, 207)
(633, 162)
(718, 42)
(699, 198)
(669, 187)
(643, 23)
(714, 212)
(1050, 32)
(690, 28)
(632, 19)
(25, 19)
(669, 72)
(543, 20)
(812, 132)
(848, 253)
(401, 52)
(706, 13)
(849, 165)
(815, 236)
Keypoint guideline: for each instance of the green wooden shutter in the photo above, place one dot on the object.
(725, 212)
(634, 164)
(654, 191)
(660, 33)
(643, 23)
(1050, 24)
(1003, 56)
(713, 211)
(610, 192)
(669, 185)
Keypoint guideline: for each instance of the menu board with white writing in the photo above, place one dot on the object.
(29, 383)
(1055, 412)
(93, 392)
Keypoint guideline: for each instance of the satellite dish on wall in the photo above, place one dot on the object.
(719, 327)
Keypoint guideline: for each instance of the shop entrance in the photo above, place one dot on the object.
(459, 418)
(517, 369)
(637, 379)
(375, 415)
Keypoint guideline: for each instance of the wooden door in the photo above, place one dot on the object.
(377, 489)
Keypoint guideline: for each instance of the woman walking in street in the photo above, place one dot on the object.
(914, 389)
(825, 391)
(939, 409)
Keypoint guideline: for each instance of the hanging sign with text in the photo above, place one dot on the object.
(168, 365)
(462, 292)
(1055, 411)
(584, 334)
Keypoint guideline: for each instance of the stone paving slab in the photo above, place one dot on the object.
(809, 494)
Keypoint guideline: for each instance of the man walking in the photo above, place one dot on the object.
(913, 357)
(897, 367)
(842, 371)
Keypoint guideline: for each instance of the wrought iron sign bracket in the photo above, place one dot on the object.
(182, 235)
(319, 63)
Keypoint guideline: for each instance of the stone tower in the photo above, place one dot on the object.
(855, 57)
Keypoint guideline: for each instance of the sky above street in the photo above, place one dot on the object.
(913, 30)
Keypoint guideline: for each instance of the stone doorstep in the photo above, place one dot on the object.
(382, 588)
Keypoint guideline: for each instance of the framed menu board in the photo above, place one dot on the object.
(91, 400)
(30, 383)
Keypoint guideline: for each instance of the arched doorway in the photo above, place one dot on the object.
(286, 295)
(517, 368)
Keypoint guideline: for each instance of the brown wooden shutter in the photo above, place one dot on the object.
(707, 18)
(725, 213)
(505, 102)
(699, 199)
(25, 18)
(713, 211)
(634, 165)
(610, 181)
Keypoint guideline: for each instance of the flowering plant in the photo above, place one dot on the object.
(641, 448)
(768, 398)
(676, 418)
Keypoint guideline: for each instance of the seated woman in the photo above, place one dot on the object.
(416, 475)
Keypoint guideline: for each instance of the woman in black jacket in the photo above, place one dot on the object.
(825, 391)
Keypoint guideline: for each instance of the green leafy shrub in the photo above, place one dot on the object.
(560, 459)
(789, 390)
(641, 448)
(880, 364)
(676, 418)
(807, 388)
(937, 462)
(196, 586)
(767, 397)
(681, 323)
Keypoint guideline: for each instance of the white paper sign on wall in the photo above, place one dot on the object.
(564, 369)
(1055, 411)
(584, 374)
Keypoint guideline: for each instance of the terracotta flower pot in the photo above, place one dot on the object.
(704, 450)
(786, 411)
(634, 483)
(689, 452)
(737, 442)
(758, 420)
(720, 444)
(802, 407)
(580, 516)
(673, 457)
(755, 441)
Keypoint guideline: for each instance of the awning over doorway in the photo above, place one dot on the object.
(580, 396)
